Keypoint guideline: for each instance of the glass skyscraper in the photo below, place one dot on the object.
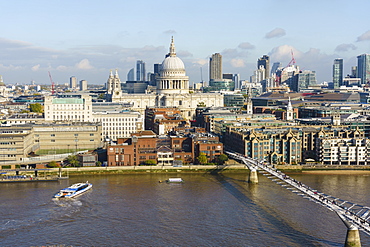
(363, 68)
(140, 70)
(338, 73)
(265, 62)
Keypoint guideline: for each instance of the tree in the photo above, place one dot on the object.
(202, 158)
(36, 107)
(98, 163)
(150, 162)
(52, 164)
(222, 158)
(201, 104)
(72, 160)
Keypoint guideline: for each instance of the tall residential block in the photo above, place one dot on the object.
(264, 61)
(338, 73)
(83, 85)
(73, 82)
(140, 70)
(215, 67)
(363, 68)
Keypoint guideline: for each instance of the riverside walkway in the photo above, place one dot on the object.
(354, 216)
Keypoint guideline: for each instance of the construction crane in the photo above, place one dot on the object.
(292, 62)
(52, 84)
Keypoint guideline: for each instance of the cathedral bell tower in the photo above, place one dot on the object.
(114, 90)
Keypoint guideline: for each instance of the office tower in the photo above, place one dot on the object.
(275, 67)
(236, 79)
(303, 80)
(73, 82)
(131, 75)
(354, 71)
(363, 68)
(338, 73)
(140, 70)
(265, 62)
(83, 85)
(215, 67)
(157, 68)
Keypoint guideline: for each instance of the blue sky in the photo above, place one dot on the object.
(87, 39)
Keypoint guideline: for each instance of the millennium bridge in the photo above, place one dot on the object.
(354, 216)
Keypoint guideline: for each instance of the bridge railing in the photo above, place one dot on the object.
(353, 215)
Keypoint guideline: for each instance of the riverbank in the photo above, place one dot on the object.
(231, 168)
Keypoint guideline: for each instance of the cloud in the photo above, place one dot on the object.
(169, 31)
(184, 54)
(246, 46)
(345, 47)
(84, 64)
(62, 68)
(36, 67)
(233, 53)
(237, 63)
(276, 33)
(365, 36)
(200, 62)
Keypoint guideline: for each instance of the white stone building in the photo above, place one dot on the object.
(172, 90)
(118, 124)
(78, 108)
(73, 108)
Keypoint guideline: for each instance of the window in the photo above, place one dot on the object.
(91, 134)
(52, 140)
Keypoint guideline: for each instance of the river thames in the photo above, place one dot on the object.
(205, 210)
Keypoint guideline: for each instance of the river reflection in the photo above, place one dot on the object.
(205, 210)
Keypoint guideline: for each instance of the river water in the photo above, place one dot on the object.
(205, 210)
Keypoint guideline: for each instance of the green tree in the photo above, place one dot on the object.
(72, 160)
(222, 158)
(52, 164)
(150, 162)
(36, 107)
(98, 163)
(202, 158)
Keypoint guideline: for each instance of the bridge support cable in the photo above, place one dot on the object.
(354, 216)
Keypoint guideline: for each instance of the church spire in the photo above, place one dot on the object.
(172, 48)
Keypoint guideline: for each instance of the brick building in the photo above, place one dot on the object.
(164, 150)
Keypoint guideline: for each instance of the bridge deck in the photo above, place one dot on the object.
(353, 215)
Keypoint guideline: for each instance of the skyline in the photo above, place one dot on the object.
(87, 39)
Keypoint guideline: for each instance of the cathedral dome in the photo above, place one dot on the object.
(173, 63)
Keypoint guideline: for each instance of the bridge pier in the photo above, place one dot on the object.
(353, 237)
(253, 176)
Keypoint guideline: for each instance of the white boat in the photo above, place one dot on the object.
(174, 180)
(73, 190)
